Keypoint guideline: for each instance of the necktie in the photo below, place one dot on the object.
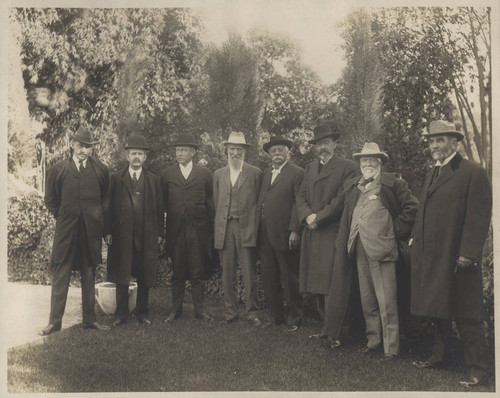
(134, 179)
(80, 167)
(435, 174)
(366, 181)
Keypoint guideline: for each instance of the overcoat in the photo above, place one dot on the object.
(321, 193)
(280, 206)
(249, 181)
(453, 219)
(120, 226)
(193, 196)
(68, 199)
(402, 205)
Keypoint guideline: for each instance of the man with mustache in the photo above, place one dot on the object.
(75, 194)
(379, 210)
(279, 234)
(236, 190)
(188, 198)
(134, 230)
(319, 206)
(447, 242)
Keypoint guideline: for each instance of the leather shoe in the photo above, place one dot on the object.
(49, 329)
(119, 322)
(334, 344)
(426, 364)
(292, 328)
(172, 317)
(227, 321)
(144, 320)
(473, 381)
(255, 322)
(318, 336)
(388, 357)
(95, 325)
(368, 350)
(204, 317)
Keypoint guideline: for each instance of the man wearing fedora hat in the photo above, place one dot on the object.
(134, 230)
(379, 210)
(319, 207)
(75, 194)
(279, 234)
(188, 198)
(236, 191)
(447, 242)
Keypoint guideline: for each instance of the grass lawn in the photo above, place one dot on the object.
(193, 355)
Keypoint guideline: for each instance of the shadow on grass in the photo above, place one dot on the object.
(194, 355)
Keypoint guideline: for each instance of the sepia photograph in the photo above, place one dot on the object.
(249, 197)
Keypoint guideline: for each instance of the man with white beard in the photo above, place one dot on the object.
(236, 190)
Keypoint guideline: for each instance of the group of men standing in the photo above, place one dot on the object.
(317, 230)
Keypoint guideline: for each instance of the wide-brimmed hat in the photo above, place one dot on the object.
(84, 136)
(371, 149)
(325, 130)
(185, 139)
(236, 138)
(277, 140)
(442, 127)
(136, 142)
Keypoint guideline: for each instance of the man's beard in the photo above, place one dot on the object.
(235, 163)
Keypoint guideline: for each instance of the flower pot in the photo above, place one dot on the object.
(105, 294)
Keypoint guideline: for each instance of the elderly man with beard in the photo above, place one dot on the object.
(379, 210)
(236, 190)
(279, 234)
(446, 251)
(319, 206)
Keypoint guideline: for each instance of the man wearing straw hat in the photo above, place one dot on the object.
(75, 194)
(134, 230)
(236, 191)
(319, 207)
(446, 250)
(379, 210)
(188, 198)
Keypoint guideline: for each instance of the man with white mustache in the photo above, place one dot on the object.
(236, 190)
(446, 252)
(379, 210)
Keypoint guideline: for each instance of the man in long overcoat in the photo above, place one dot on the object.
(319, 206)
(134, 230)
(446, 250)
(188, 198)
(279, 234)
(379, 210)
(236, 191)
(75, 194)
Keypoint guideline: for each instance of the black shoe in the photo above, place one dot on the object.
(95, 325)
(49, 329)
(172, 317)
(318, 336)
(227, 321)
(334, 344)
(369, 350)
(255, 321)
(292, 328)
(427, 364)
(119, 322)
(473, 381)
(144, 320)
(388, 357)
(204, 317)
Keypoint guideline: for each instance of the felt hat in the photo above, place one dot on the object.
(185, 139)
(442, 127)
(136, 142)
(236, 138)
(84, 136)
(323, 131)
(371, 149)
(277, 140)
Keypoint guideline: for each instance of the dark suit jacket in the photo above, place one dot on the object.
(69, 200)
(249, 180)
(120, 226)
(193, 196)
(277, 202)
(453, 219)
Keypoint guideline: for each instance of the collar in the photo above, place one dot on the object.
(77, 162)
(278, 170)
(187, 167)
(446, 161)
(327, 160)
(235, 171)
(131, 171)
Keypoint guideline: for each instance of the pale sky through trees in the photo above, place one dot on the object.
(311, 24)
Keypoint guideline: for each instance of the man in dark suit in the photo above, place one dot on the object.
(279, 234)
(188, 198)
(134, 230)
(379, 210)
(446, 251)
(75, 194)
(236, 190)
(319, 207)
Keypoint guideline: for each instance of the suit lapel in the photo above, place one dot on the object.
(72, 168)
(227, 179)
(447, 171)
(266, 179)
(192, 176)
(327, 168)
(243, 175)
(126, 181)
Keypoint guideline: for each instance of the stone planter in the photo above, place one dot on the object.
(105, 294)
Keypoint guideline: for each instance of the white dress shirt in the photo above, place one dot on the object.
(233, 174)
(186, 170)
(275, 172)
